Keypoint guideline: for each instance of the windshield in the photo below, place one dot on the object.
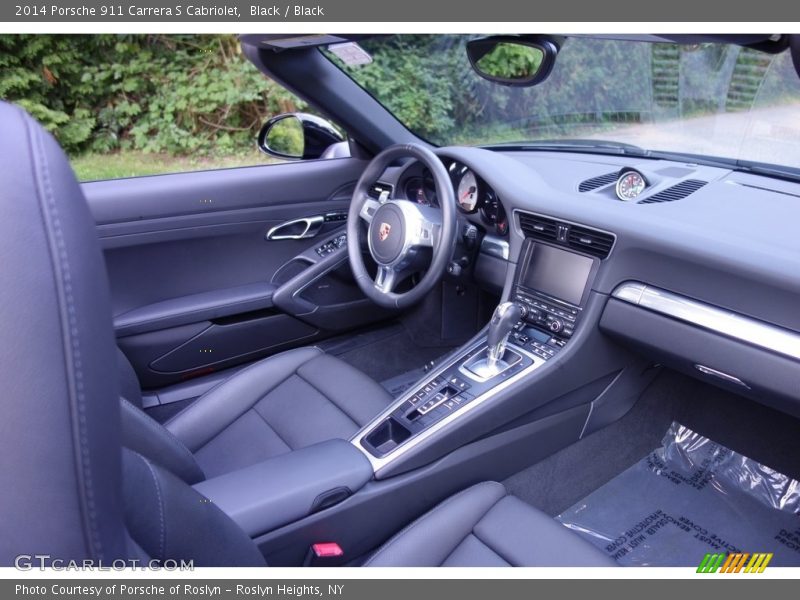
(716, 100)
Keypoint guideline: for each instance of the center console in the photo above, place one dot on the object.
(550, 289)
(288, 487)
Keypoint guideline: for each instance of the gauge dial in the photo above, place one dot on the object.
(630, 185)
(421, 191)
(468, 192)
(493, 213)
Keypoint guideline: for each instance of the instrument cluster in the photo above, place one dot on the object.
(473, 195)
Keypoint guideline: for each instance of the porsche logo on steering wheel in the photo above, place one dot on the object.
(383, 232)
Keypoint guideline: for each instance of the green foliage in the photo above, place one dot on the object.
(31, 69)
(132, 163)
(511, 61)
(427, 82)
(196, 95)
(181, 94)
(403, 74)
(596, 85)
(286, 137)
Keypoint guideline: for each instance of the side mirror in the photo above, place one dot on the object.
(511, 60)
(297, 136)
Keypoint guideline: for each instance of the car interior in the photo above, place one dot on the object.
(414, 354)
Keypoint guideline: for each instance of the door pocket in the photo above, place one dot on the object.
(222, 344)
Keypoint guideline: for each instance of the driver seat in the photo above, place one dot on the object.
(279, 404)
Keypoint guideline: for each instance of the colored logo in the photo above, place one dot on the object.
(383, 232)
(739, 562)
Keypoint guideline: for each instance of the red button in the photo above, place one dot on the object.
(326, 549)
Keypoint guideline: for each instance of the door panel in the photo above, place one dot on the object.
(194, 279)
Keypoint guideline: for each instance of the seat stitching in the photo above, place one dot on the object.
(487, 544)
(159, 429)
(378, 389)
(421, 519)
(162, 538)
(239, 416)
(69, 323)
(275, 431)
(481, 540)
(329, 399)
(223, 382)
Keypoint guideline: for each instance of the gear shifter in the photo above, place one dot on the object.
(495, 358)
(505, 316)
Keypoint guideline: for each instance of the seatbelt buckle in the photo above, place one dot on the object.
(324, 554)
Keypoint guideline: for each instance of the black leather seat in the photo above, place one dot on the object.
(70, 490)
(484, 526)
(285, 402)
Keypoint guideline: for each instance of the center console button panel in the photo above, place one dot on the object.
(438, 397)
(556, 317)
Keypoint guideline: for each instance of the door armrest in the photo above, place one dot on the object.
(195, 308)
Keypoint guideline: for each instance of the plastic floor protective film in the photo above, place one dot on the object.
(688, 498)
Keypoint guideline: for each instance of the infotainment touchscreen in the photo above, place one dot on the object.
(557, 273)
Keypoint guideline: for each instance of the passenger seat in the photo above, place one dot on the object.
(484, 526)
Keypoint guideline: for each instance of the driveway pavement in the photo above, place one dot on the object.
(770, 135)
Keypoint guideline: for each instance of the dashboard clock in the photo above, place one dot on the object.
(630, 185)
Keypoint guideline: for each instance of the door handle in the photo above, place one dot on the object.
(297, 229)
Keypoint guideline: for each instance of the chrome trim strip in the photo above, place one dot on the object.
(721, 375)
(313, 225)
(379, 463)
(727, 323)
(494, 246)
(464, 370)
(630, 292)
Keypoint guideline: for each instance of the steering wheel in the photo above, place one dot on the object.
(399, 231)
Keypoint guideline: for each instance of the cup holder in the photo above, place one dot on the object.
(386, 437)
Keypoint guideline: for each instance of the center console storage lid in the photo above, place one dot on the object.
(283, 489)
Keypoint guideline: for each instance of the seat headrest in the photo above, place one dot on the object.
(59, 406)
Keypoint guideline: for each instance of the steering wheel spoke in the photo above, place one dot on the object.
(386, 278)
(368, 209)
(398, 228)
(429, 233)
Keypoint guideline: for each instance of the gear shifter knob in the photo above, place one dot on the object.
(503, 320)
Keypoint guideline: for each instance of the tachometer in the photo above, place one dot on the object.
(629, 185)
(468, 192)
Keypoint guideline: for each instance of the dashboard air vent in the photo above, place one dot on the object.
(377, 189)
(538, 227)
(580, 238)
(676, 192)
(590, 241)
(596, 182)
